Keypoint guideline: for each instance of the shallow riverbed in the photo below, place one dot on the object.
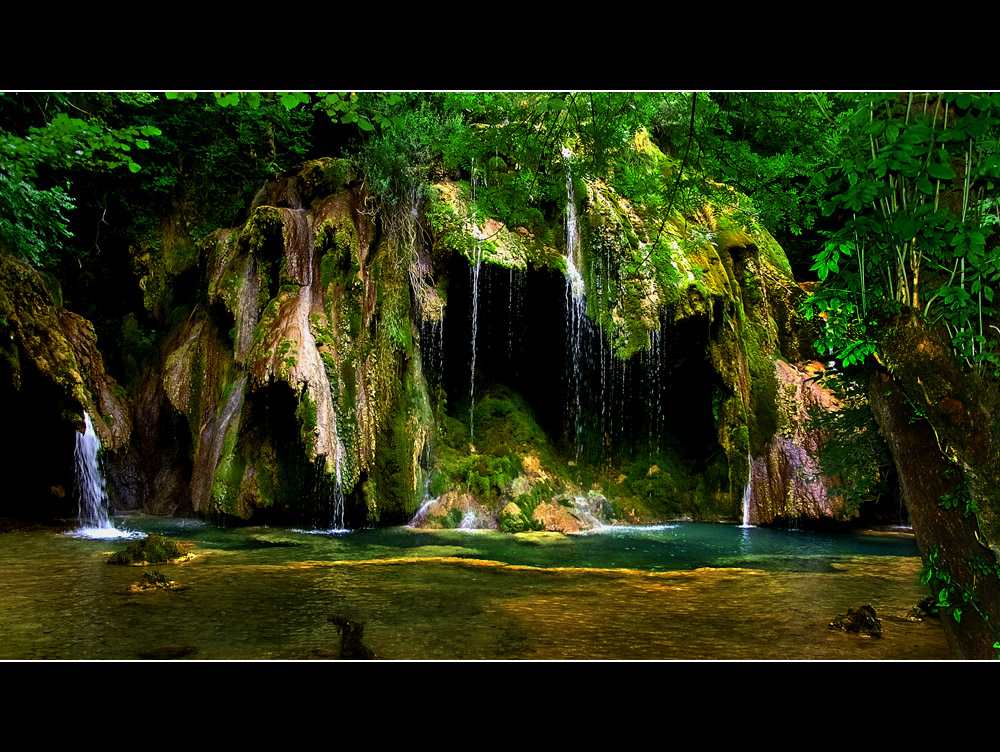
(683, 591)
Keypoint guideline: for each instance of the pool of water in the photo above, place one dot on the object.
(681, 591)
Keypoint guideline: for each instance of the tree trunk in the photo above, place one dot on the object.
(946, 452)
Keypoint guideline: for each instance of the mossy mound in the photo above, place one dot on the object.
(153, 581)
(511, 454)
(665, 485)
(153, 549)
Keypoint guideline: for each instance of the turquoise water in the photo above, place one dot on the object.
(662, 548)
(683, 591)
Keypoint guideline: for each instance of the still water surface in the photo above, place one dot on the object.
(684, 591)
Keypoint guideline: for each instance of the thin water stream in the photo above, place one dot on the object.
(685, 591)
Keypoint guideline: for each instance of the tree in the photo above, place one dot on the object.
(36, 164)
(908, 280)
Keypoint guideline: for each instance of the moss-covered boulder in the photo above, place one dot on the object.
(153, 549)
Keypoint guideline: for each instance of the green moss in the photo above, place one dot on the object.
(337, 241)
(306, 413)
(320, 178)
(452, 214)
(487, 477)
(263, 234)
(153, 549)
(513, 523)
(228, 476)
(440, 483)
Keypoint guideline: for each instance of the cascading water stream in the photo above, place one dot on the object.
(92, 502)
(746, 494)
(475, 327)
(338, 496)
(475, 310)
(91, 494)
(576, 310)
(654, 400)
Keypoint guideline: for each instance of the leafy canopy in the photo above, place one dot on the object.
(912, 196)
(35, 169)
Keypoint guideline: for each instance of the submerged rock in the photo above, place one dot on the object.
(168, 652)
(351, 632)
(859, 619)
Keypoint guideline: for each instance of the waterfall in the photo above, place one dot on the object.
(338, 495)
(746, 494)
(92, 497)
(515, 323)
(585, 511)
(421, 514)
(652, 371)
(91, 494)
(475, 327)
(432, 351)
(576, 310)
(475, 308)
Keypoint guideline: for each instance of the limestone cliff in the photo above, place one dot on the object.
(344, 365)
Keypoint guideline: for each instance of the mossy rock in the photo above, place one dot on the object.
(153, 549)
(861, 620)
(153, 580)
(513, 520)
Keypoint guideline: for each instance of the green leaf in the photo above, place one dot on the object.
(290, 100)
(941, 171)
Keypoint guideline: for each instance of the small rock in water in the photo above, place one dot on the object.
(351, 647)
(860, 619)
(153, 581)
(168, 652)
(925, 609)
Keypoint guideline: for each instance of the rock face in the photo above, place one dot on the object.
(288, 405)
(51, 372)
(337, 362)
(787, 482)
